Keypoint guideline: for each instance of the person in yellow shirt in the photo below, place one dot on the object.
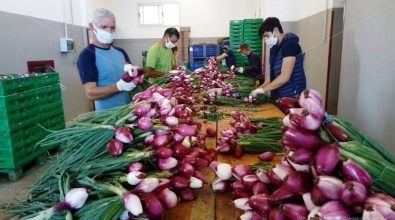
(160, 55)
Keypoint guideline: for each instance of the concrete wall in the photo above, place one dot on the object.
(368, 69)
(26, 38)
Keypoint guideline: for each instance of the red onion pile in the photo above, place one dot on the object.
(310, 181)
(240, 124)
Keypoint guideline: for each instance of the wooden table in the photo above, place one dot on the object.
(209, 205)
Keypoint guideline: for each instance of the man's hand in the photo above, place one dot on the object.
(240, 70)
(257, 91)
(125, 86)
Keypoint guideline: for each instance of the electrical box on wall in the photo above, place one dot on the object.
(66, 44)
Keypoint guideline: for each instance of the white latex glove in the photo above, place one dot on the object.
(132, 70)
(125, 86)
(240, 70)
(256, 92)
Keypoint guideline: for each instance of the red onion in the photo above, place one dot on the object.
(308, 201)
(124, 135)
(114, 147)
(294, 211)
(238, 194)
(239, 171)
(238, 186)
(200, 176)
(147, 94)
(195, 183)
(282, 171)
(242, 204)
(186, 170)
(250, 180)
(313, 107)
(164, 152)
(223, 171)
(135, 177)
(329, 186)
(352, 171)
(328, 156)
(259, 188)
(168, 93)
(163, 184)
(286, 103)
(300, 138)
(201, 163)
(149, 140)
(274, 178)
(238, 151)
(75, 198)
(318, 197)
(180, 151)
(352, 192)
(305, 122)
(151, 204)
(160, 132)
(384, 204)
(179, 182)
(138, 79)
(132, 203)
(302, 155)
(370, 213)
(262, 176)
(260, 203)
(160, 140)
(135, 166)
(337, 132)
(168, 198)
(171, 121)
(186, 194)
(298, 182)
(281, 194)
(219, 185)
(331, 210)
(168, 163)
(276, 214)
(211, 132)
(186, 130)
(287, 121)
(147, 185)
(142, 109)
(267, 156)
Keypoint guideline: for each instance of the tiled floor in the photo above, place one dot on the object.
(11, 191)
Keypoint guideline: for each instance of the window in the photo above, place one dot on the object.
(159, 14)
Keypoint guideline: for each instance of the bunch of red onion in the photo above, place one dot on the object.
(133, 74)
(181, 85)
(310, 181)
(211, 77)
(240, 124)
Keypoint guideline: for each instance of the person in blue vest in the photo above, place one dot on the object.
(101, 64)
(287, 75)
(228, 55)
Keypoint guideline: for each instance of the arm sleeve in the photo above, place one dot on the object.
(152, 57)
(127, 59)
(87, 66)
(291, 49)
(253, 65)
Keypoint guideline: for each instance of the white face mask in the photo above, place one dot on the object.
(169, 44)
(103, 36)
(272, 41)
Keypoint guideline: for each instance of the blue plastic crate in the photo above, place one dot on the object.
(196, 51)
(212, 50)
(196, 64)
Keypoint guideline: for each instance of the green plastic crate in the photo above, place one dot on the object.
(21, 84)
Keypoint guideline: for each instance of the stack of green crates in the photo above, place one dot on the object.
(245, 31)
(251, 36)
(236, 39)
(26, 103)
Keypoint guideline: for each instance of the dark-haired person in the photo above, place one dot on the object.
(287, 75)
(160, 55)
(228, 55)
(254, 68)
